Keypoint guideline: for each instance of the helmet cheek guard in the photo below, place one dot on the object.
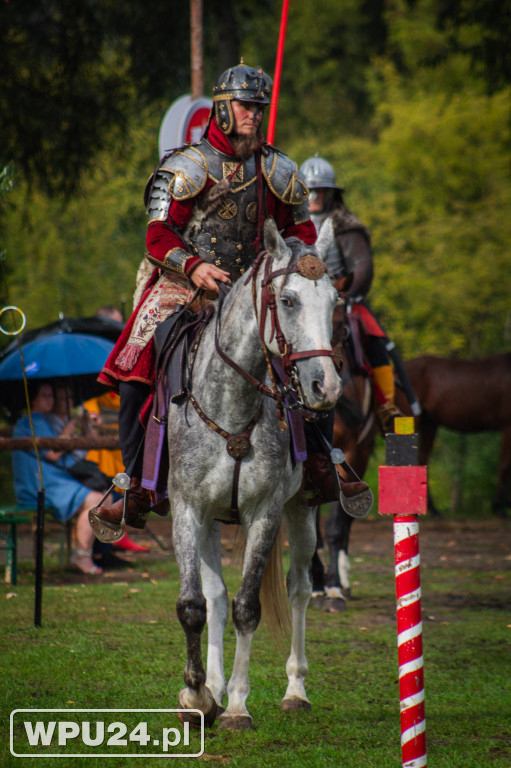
(224, 114)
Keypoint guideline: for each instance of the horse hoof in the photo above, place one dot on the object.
(235, 723)
(334, 605)
(295, 704)
(316, 601)
(192, 717)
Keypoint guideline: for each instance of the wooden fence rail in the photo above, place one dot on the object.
(89, 442)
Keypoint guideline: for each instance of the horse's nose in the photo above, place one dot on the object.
(327, 391)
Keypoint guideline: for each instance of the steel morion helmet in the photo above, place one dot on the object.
(318, 173)
(244, 84)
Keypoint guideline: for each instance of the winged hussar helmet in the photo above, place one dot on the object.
(243, 84)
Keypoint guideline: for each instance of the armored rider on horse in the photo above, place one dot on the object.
(207, 203)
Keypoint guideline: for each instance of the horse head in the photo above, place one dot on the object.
(297, 327)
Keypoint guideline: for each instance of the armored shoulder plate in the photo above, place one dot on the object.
(188, 169)
(182, 174)
(281, 175)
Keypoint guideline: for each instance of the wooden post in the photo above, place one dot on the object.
(88, 442)
(39, 541)
(197, 65)
(403, 494)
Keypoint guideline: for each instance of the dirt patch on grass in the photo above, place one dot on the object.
(480, 545)
(468, 545)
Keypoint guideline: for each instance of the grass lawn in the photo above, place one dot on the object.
(117, 644)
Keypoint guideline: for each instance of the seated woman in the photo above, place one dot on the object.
(63, 493)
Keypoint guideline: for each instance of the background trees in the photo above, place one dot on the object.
(409, 99)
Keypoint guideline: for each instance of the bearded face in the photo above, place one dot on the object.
(244, 146)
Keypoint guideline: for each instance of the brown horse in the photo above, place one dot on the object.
(465, 396)
(355, 429)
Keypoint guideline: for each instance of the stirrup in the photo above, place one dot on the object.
(361, 503)
(106, 531)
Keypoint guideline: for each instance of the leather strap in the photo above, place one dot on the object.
(229, 436)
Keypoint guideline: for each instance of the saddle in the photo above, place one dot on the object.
(173, 341)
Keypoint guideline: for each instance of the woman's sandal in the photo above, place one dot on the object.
(81, 553)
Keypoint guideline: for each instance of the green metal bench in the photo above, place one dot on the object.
(17, 514)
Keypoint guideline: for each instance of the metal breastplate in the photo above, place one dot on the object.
(225, 235)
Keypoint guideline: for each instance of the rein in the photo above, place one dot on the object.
(237, 446)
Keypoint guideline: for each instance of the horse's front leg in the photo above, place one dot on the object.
(217, 608)
(191, 611)
(246, 614)
(301, 528)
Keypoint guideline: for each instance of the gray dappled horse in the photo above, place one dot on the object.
(232, 453)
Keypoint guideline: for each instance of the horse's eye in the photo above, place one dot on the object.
(286, 302)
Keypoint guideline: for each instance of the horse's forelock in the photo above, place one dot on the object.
(298, 248)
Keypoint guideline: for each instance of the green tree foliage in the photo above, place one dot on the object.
(61, 86)
(74, 73)
(443, 157)
(442, 229)
(76, 256)
(409, 100)
(328, 48)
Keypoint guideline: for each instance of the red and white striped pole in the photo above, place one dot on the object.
(403, 494)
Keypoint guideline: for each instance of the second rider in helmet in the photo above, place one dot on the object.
(349, 262)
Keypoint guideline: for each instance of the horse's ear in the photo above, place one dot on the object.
(273, 241)
(325, 238)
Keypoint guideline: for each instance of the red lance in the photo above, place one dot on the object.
(278, 70)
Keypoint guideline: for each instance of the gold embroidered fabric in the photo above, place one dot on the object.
(168, 292)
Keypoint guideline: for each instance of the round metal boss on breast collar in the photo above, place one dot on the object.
(238, 446)
(311, 266)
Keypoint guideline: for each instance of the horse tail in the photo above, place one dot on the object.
(273, 594)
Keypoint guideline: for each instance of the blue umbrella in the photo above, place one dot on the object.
(73, 358)
(62, 354)
(105, 327)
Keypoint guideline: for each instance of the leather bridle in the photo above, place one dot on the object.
(310, 267)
